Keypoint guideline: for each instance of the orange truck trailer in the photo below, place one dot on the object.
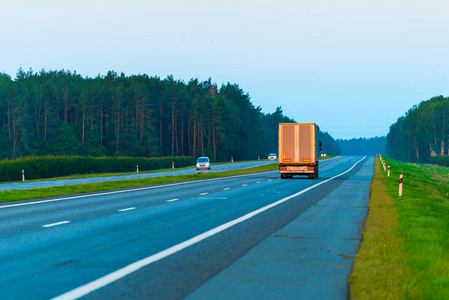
(298, 149)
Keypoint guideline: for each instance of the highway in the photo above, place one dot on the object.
(177, 240)
(174, 172)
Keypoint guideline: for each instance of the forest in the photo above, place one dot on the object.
(422, 133)
(62, 113)
(363, 146)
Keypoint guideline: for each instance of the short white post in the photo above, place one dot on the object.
(388, 171)
(232, 159)
(400, 185)
(258, 158)
(137, 168)
(23, 175)
(172, 164)
(385, 167)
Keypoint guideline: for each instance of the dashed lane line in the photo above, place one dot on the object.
(130, 190)
(55, 224)
(133, 267)
(126, 209)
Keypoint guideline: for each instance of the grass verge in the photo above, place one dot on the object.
(327, 157)
(16, 195)
(405, 249)
(89, 175)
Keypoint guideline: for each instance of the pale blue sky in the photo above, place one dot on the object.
(353, 67)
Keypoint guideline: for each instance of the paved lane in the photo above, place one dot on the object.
(186, 171)
(309, 258)
(49, 248)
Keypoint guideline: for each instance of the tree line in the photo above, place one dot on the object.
(63, 113)
(422, 133)
(363, 146)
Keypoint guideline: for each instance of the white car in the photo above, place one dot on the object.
(272, 156)
(203, 163)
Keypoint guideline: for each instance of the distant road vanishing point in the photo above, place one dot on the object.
(250, 236)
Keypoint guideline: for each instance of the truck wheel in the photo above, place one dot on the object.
(283, 176)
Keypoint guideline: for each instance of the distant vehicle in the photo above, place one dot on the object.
(272, 156)
(203, 163)
(298, 149)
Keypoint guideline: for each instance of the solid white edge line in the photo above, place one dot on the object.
(131, 190)
(126, 209)
(55, 224)
(225, 189)
(116, 275)
(202, 194)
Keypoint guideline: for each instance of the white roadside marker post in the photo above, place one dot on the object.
(23, 175)
(388, 171)
(400, 185)
(172, 164)
(137, 168)
(385, 166)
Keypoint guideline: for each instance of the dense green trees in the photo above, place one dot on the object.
(329, 145)
(422, 133)
(62, 113)
(363, 146)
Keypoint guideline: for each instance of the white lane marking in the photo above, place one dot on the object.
(126, 209)
(202, 194)
(269, 179)
(225, 189)
(258, 182)
(55, 224)
(116, 275)
(132, 190)
(244, 184)
(171, 200)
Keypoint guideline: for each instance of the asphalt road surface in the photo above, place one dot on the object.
(184, 171)
(185, 239)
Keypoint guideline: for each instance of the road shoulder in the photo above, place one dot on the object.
(309, 258)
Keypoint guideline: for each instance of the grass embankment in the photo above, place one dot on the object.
(327, 157)
(15, 195)
(45, 167)
(405, 249)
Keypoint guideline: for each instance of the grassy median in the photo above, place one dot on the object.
(16, 195)
(405, 249)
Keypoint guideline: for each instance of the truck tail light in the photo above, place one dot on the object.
(286, 160)
(283, 168)
(306, 160)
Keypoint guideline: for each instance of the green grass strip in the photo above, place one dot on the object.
(405, 249)
(16, 195)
